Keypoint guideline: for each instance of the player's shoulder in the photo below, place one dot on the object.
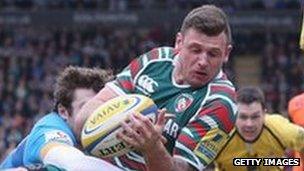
(221, 79)
(50, 119)
(159, 54)
(276, 124)
(50, 127)
(221, 88)
(44, 133)
(283, 129)
(155, 58)
(275, 120)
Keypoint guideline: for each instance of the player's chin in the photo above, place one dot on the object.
(195, 86)
(249, 137)
(198, 83)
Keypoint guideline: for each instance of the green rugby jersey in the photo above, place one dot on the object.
(201, 119)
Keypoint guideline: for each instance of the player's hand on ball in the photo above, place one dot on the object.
(141, 133)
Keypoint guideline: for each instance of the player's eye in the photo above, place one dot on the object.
(255, 117)
(213, 54)
(196, 50)
(243, 117)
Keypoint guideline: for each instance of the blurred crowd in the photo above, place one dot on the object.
(123, 5)
(282, 71)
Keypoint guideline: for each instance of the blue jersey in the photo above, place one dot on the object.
(50, 128)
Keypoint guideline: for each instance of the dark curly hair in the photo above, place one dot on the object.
(78, 77)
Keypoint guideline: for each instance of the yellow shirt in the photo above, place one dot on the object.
(277, 135)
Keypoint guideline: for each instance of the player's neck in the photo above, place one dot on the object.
(177, 74)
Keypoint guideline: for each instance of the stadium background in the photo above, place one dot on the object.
(38, 38)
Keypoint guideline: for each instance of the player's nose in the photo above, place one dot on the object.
(203, 60)
(248, 123)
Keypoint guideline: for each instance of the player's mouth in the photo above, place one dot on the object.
(200, 74)
(249, 132)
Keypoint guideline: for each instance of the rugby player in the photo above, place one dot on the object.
(188, 81)
(258, 134)
(52, 140)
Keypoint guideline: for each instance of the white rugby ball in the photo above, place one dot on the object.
(98, 136)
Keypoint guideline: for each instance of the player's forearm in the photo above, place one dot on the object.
(158, 158)
(72, 159)
(84, 113)
(104, 95)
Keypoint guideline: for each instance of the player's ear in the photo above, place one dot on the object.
(178, 40)
(63, 111)
(227, 53)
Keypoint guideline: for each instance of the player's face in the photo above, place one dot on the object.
(201, 56)
(250, 120)
(80, 97)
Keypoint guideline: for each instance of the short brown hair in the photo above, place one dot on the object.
(207, 19)
(78, 77)
(248, 95)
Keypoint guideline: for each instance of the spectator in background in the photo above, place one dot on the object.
(282, 72)
(122, 5)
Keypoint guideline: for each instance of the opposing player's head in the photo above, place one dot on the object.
(204, 44)
(74, 87)
(251, 112)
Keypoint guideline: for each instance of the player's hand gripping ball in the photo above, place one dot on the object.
(98, 136)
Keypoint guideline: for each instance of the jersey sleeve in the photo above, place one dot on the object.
(125, 80)
(39, 138)
(290, 134)
(205, 135)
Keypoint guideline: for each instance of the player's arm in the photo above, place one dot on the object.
(160, 159)
(123, 84)
(16, 169)
(197, 145)
(102, 96)
(72, 159)
(56, 147)
(205, 135)
(146, 137)
(292, 134)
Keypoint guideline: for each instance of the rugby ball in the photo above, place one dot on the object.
(98, 136)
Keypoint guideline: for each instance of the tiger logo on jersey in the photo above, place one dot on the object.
(182, 102)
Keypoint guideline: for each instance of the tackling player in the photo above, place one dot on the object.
(52, 141)
(257, 134)
(189, 82)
